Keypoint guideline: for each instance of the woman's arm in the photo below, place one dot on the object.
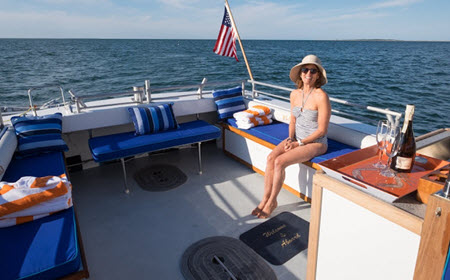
(290, 142)
(292, 118)
(323, 118)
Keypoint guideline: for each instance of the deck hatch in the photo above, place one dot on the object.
(160, 177)
(226, 258)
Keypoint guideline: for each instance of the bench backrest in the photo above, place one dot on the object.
(118, 115)
(342, 130)
(8, 145)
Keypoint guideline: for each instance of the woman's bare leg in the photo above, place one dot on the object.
(297, 155)
(268, 177)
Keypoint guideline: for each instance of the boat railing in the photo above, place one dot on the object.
(49, 103)
(22, 110)
(200, 88)
(79, 99)
(147, 94)
(392, 116)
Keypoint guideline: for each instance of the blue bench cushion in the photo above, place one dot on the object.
(228, 102)
(277, 131)
(39, 134)
(116, 146)
(46, 248)
(153, 118)
(38, 166)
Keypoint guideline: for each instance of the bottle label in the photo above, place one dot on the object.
(403, 163)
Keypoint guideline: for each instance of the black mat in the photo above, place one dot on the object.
(278, 239)
(160, 177)
(222, 258)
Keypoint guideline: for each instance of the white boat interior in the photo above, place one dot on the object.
(143, 234)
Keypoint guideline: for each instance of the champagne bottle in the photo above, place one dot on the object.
(404, 160)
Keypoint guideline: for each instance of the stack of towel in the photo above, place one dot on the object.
(31, 198)
(254, 116)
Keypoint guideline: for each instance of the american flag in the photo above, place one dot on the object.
(226, 41)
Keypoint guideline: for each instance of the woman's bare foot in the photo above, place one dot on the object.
(267, 210)
(258, 209)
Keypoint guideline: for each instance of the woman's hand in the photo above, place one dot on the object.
(290, 144)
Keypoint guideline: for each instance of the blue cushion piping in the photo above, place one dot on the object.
(334, 148)
(101, 146)
(77, 250)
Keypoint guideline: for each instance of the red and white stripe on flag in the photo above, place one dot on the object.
(226, 41)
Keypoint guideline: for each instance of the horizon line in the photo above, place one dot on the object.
(99, 38)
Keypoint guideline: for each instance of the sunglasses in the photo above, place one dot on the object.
(312, 70)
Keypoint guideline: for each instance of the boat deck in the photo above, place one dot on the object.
(143, 235)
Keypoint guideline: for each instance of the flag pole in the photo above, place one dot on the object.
(239, 39)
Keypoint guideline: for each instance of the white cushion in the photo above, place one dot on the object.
(8, 145)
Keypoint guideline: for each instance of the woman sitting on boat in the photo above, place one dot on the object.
(310, 116)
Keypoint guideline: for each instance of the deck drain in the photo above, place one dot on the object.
(160, 177)
(223, 258)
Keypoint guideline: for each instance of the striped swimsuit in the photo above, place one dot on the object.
(306, 123)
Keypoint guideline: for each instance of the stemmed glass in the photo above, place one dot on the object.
(380, 136)
(391, 148)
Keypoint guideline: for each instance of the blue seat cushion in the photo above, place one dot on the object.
(273, 133)
(116, 146)
(39, 134)
(38, 166)
(152, 118)
(228, 102)
(46, 248)
(277, 131)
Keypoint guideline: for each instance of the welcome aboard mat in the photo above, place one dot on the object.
(278, 239)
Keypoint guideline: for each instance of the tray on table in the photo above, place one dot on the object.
(356, 169)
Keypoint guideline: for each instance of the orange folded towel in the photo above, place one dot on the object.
(254, 111)
(252, 122)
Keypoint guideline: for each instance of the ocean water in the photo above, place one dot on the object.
(386, 74)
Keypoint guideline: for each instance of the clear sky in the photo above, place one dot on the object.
(200, 19)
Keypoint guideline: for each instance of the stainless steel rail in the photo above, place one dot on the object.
(198, 85)
(33, 108)
(139, 93)
(392, 116)
(143, 94)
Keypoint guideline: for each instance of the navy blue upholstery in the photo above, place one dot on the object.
(152, 118)
(117, 146)
(446, 274)
(228, 102)
(277, 131)
(37, 166)
(39, 134)
(273, 133)
(46, 248)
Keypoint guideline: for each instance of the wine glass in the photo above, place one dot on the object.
(391, 148)
(380, 136)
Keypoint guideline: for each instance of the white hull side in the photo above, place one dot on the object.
(356, 243)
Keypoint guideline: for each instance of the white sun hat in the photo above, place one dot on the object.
(309, 59)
